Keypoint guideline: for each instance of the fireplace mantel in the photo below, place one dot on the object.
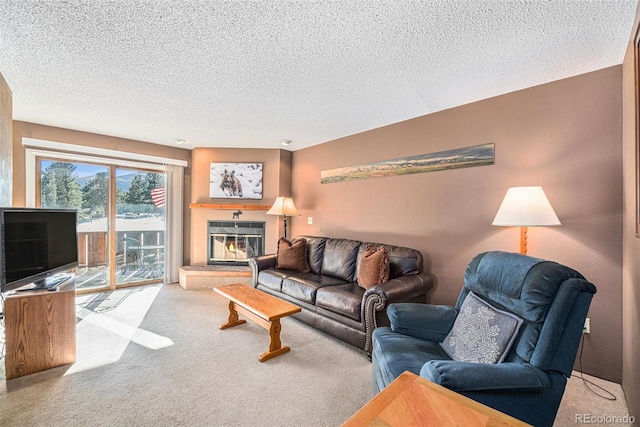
(229, 206)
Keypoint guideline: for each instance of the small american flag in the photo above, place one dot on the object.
(157, 195)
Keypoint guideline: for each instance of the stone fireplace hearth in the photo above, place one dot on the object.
(207, 277)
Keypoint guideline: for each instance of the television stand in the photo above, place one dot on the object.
(49, 284)
(40, 329)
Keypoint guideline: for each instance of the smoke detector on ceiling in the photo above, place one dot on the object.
(285, 142)
(179, 141)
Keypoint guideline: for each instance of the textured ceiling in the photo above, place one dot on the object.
(250, 73)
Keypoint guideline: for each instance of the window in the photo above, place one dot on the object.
(122, 215)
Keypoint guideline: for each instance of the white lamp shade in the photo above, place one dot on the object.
(525, 207)
(283, 206)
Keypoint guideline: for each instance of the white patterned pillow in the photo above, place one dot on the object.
(481, 332)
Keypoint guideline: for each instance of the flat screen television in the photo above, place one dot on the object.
(35, 245)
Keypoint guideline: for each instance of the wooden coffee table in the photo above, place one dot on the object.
(264, 309)
(411, 400)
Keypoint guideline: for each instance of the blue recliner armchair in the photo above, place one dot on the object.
(541, 303)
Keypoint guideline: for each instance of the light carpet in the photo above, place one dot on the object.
(159, 358)
(155, 356)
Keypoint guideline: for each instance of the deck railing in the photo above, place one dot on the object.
(139, 258)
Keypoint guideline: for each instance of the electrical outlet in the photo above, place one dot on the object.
(309, 220)
(587, 326)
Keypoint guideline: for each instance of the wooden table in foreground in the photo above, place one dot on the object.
(264, 309)
(411, 400)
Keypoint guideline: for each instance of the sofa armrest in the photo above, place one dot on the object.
(400, 289)
(514, 378)
(259, 263)
(424, 321)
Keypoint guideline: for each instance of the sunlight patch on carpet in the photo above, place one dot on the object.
(108, 322)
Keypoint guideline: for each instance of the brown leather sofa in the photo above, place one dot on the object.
(329, 295)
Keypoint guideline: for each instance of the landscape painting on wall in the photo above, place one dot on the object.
(478, 155)
(235, 181)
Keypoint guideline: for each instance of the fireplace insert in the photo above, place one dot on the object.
(234, 242)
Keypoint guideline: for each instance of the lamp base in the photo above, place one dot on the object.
(523, 240)
(285, 225)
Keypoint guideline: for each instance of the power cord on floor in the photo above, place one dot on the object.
(587, 382)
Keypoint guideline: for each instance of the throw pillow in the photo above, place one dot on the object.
(481, 333)
(292, 255)
(374, 266)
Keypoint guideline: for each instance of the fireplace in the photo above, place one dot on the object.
(233, 242)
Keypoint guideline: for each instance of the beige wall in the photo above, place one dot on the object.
(6, 130)
(631, 244)
(48, 133)
(564, 136)
(276, 182)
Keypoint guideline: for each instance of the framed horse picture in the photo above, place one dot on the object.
(235, 181)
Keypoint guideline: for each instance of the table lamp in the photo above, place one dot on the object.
(525, 207)
(283, 206)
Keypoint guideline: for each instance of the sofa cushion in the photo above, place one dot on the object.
(272, 278)
(402, 261)
(481, 332)
(339, 260)
(374, 266)
(395, 353)
(315, 252)
(292, 255)
(341, 299)
(303, 286)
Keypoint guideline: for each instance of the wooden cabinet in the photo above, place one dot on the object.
(40, 330)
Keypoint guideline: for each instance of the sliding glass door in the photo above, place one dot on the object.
(121, 219)
(139, 226)
(67, 185)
